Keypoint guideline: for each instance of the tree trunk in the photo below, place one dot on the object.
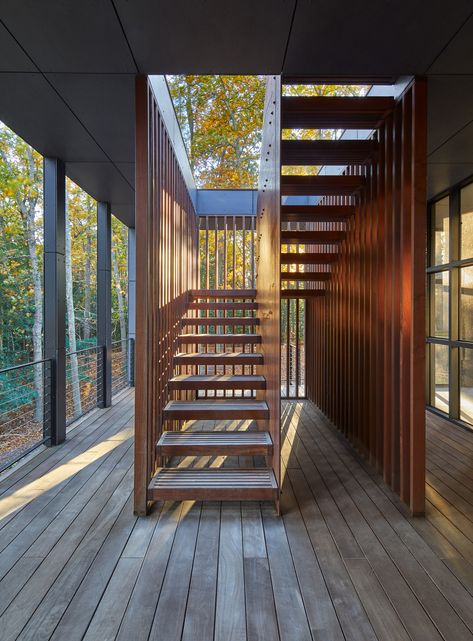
(71, 324)
(121, 304)
(28, 209)
(87, 293)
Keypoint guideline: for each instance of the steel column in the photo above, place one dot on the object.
(104, 300)
(55, 290)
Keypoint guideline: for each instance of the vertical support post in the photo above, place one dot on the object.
(131, 305)
(55, 291)
(104, 300)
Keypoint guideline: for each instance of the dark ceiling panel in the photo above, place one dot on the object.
(458, 149)
(127, 169)
(443, 176)
(372, 37)
(12, 57)
(458, 55)
(207, 36)
(33, 109)
(105, 105)
(452, 96)
(105, 183)
(72, 35)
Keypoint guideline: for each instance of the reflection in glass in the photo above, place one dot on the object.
(439, 373)
(466, 385)
(466, 233)
(466, 304)
(440, 219)
(440, 286)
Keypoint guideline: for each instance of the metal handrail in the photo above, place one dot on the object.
(14, 367)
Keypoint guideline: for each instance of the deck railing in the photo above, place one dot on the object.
(25, 409)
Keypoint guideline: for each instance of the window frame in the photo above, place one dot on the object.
(453, 267)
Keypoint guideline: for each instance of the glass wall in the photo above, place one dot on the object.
(450, 317)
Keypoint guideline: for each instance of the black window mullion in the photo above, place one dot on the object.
(454, 326)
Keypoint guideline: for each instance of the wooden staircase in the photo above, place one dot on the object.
(225, 338)
(311, 235)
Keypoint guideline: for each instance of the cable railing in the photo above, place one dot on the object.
(84, 381)
(120, 364)
(25, 409)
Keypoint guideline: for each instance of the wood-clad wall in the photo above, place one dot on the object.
(268, 249)
(167, 245)
(366, 336)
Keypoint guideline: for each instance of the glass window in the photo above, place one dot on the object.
(440, 286)
(466, 304)
(441, 236)
(466, 229)
(466, 385)
(439, 373)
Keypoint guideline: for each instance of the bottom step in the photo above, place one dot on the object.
(213, 484)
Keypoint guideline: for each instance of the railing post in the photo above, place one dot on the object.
(55, 291)
(104, 301)
(131, 306)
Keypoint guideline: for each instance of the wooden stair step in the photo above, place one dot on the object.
(317, 276)
(215, 443)
(218, 484)
(321, 185)
(320, 258)
(222, 358)
(311, 237)
(217, 382)
(334, 112)
(327, 152)
(301, 293)
(221, 409)
(219, 339)
(223, 293)
(316, 213)
(229, 320)
(223, 305)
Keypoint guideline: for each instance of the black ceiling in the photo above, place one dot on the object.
(67, 68)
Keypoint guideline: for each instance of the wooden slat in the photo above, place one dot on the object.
(213, 484)
(321, 185)
(311, 237)
(221, 409)
(306, 276)
(334, 112)
(223, 305)
(219, 339)
(217, 382)
(227, 320)
(327, 152)
(309, 258)
(220, 293)
(224, 358)
(217, 443)
(316, 213)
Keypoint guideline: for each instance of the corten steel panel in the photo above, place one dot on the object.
(268, 262)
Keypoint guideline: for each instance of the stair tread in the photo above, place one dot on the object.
(312, 258)
(301, 293)
(229, 320)
(316, 213)
(327, 152)
(223, 305)
(217, 336)
(234, 381)
(233, 436)
(314, 276)
(223, 293)
(334, 112)
(230, 403)
(217, 355)
(319, 236)
(228, 408)
(258, 484)
(321, 185)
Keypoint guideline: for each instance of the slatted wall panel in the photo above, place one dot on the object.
(366, 336)
(167, 245)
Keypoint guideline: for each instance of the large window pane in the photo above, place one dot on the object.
(439, 373)
(466, 234)
(466, 385)
(466, 304)
(440, 286)
(440, 216)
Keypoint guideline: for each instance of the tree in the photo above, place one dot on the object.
(221, 119)
(21, 212)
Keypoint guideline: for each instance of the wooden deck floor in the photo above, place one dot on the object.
(344, 562)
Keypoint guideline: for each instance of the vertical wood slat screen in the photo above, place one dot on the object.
(366, 336)
(227, 261)
(167, 245)
(268, 250)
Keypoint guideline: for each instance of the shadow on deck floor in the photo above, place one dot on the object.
(344, 562)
